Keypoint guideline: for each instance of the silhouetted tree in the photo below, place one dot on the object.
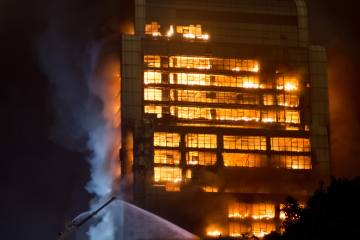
(331, 213)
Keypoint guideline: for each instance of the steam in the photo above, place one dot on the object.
(84, 76)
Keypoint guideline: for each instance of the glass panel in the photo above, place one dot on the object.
(152, 77)
(255, 211)
(165, 156)
(245, 142)
(153, 29)
(263, 210)
(237, 229)
(210, 189)
(260, 229)
(244, 160)
(268, 116)
(287, 83)
(289, 116)
(288, 100)
(290, 144)
(194, 140)
(268, 100)
(152, 61)
(165, 139)
(152, 94)
(200, 158)
(235, 65)
(213, 97)
(154, 110)
(238, 114)
(167, 174)
(215, 80)
(291, 162)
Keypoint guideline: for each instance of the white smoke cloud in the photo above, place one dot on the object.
(84, 77)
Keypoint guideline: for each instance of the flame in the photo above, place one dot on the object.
(110, 94)
(214, 233)
(290, 87)
(268, 120)
(171, 31)
(156, 34)
(238, 215)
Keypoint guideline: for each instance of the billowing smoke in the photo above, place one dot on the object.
(84, 74)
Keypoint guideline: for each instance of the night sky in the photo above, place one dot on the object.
(42, 181)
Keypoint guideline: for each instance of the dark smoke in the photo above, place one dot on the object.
(332, 25)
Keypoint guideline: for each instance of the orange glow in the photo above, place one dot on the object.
(171, 31)
(109, 92)
(167, 174)
(290, 144)
(194, 140)
(165, 139)
(165, 156)
(261, 229)
(152, 77)
(287, 83)
(213, 231)
(154, 110)
(215, 80)
(292, 162)
(244, 142)
(192, 32)
(256, 211)
(210, 189)
(237, 229)
(250, 160)
(200, 158)
(153, 29)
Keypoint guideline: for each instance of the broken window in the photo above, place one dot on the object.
(287, 83)
(260, 229)
(153, 29)
(192, 32)
(165, 156)
(152, 61)
(154, 110)
(200, 158)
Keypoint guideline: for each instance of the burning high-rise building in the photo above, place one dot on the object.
(224, 112)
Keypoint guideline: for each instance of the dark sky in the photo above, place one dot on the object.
(42, 183)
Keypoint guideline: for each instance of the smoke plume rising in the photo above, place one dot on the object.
(84, 74)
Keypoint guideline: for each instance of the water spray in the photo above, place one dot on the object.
(81, 219)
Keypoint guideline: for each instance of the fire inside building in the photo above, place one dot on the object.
(224, 112)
